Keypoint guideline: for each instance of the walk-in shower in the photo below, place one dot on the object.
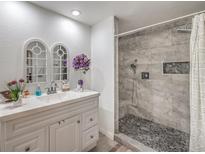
(154, 111)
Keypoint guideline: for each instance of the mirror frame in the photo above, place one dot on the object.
(52, 61)
(26, 44)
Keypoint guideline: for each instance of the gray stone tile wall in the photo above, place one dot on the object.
(163, 98)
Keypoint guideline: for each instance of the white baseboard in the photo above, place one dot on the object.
(107, 133)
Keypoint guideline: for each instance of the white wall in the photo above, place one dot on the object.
(20, 21)
(102, 72)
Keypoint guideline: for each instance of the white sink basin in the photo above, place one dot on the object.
(49, 98)
(58, 97)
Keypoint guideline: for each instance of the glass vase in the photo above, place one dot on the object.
(80, 85)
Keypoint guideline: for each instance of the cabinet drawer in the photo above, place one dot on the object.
(35, 141)
(90, 119)
(90, 136)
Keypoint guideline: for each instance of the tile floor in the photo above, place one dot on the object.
(107, 145)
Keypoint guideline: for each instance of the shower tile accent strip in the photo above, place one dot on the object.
(154, 135)
(176, 67)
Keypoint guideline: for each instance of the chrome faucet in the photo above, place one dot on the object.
(52, 88)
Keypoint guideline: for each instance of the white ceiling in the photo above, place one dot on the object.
(132, 14)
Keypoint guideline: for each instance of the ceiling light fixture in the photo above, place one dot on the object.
(76, 13)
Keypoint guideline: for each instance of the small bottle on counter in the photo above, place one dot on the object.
(38, 90)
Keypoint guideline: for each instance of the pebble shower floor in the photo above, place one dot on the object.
(154, 135)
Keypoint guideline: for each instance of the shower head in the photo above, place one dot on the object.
(133, 66)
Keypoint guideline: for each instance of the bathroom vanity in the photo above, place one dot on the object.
(66, 121)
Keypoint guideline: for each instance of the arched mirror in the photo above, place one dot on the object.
(60, 62)
(36, 61)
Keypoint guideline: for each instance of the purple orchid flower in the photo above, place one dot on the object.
(81, 62)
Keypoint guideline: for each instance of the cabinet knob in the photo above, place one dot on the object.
(91, 119)
(91, 136)
(78, 121)
(27, 149)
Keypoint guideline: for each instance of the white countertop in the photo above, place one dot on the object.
(37, 102)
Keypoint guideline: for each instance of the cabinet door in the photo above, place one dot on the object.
(65, 135)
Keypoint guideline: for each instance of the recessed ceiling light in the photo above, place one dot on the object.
(76, 13)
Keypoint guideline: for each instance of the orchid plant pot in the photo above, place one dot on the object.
(18, 102)
(16, 89)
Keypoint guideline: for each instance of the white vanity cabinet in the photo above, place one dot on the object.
(59, 127)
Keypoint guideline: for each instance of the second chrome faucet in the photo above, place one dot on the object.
(53, 88)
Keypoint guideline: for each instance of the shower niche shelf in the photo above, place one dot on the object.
(176, 67)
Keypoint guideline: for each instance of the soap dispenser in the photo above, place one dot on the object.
(38, 90)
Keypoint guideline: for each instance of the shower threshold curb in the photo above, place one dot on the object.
(134, 145)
